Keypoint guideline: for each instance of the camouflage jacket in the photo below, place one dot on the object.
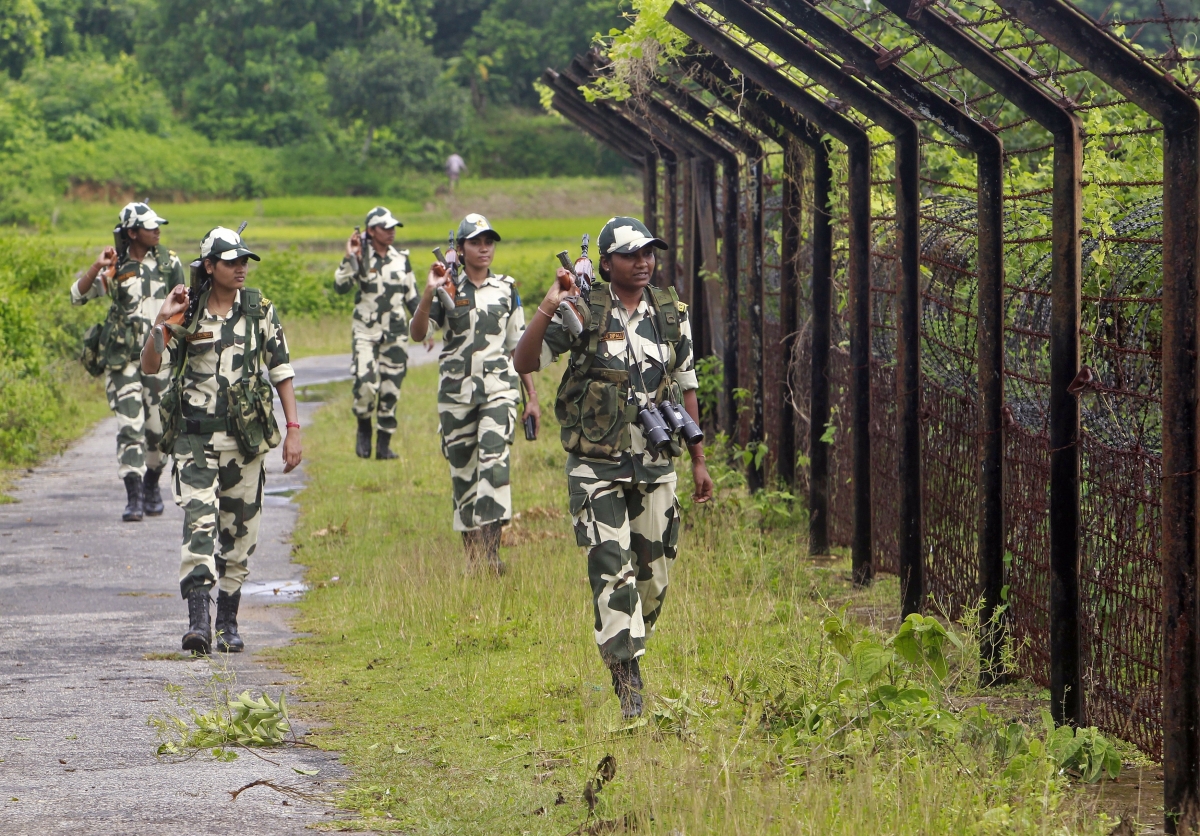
(388, 295)
(215, 352)
(477, 344)
(649, 359)
(138, 289)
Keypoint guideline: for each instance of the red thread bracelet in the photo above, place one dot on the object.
(292, 425)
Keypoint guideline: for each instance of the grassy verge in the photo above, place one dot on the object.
(474, 705)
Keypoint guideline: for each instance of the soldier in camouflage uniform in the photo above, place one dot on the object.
(636, 350)
(478, 390)
(385, 295)
(218, 477)
(142, 277)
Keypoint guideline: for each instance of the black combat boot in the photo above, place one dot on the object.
(627, 682)
(473, 546)
(383, 449)
(228, 640)
(198, 638)
(363, 446)
(490, 541)
(152, 502)
(133, 493)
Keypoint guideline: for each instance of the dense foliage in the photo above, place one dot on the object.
(39, 339)
(196, 99)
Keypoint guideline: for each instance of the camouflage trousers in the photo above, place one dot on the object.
(475, 440)
(133, 397)
(379, 364)
(631, 532)
(221, 499)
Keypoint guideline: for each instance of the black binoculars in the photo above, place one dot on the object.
(659, 423)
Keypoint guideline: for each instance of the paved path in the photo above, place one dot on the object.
(86, 602)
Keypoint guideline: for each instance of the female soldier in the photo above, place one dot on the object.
(218, 421)
(143, 274)
(478, 391)
(385, 295)
(635, 351)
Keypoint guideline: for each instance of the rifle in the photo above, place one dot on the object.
(199, 282)
(581, 268)
(364, 242)
(450, 262)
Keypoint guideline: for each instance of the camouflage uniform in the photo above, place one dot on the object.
(219, 488)
(138, 289)
(477, 396)
(624, 507)
(383, 303)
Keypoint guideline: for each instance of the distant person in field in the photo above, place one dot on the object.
(385, 295)
(478, 388)
(218, 339)
(634, 354)
(136, 276)
(455, 166)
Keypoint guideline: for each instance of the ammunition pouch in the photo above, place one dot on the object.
(592, 405)
(90, 355)
(593, 411)
(109, 345)
(251, 416)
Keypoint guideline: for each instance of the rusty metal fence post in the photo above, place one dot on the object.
(988, 151)
(1066, 681)
(1130, 74)
(908, 390)
(859, 269)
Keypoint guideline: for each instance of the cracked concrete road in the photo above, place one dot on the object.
(90, 616)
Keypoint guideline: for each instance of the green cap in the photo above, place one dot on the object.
(626, 235)
(474, 225)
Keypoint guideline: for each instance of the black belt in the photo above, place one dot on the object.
(205, 425)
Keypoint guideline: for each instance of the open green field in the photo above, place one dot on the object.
(471, 705)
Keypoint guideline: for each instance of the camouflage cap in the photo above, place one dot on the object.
(381, 216)
(626, 235)
(224, 244)
(140, 216)
(474, 225)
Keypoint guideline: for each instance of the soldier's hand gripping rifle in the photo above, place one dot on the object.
(363, 242)
(450, 262)
(581, 270)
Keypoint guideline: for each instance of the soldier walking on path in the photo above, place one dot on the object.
(479, 389)
(136, 275)
(385, 295)
(633, 354)
(219, 423)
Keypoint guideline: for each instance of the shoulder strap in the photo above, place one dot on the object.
(253, 303)
(254, 308)
(600, 309)
(666, 303)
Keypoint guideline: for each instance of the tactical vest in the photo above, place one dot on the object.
(114, 343)
(250, 416)
(592, 405)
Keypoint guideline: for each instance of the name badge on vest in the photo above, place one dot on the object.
(124, 277)
(613, 336)
(462, 303)
(199, 335)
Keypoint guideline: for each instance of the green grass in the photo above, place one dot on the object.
(521, 210)
(471, 705)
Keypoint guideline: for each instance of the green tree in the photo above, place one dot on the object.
(85, 96)
(252, 69)
(514, 41)
(395, 81)
(22, 33)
